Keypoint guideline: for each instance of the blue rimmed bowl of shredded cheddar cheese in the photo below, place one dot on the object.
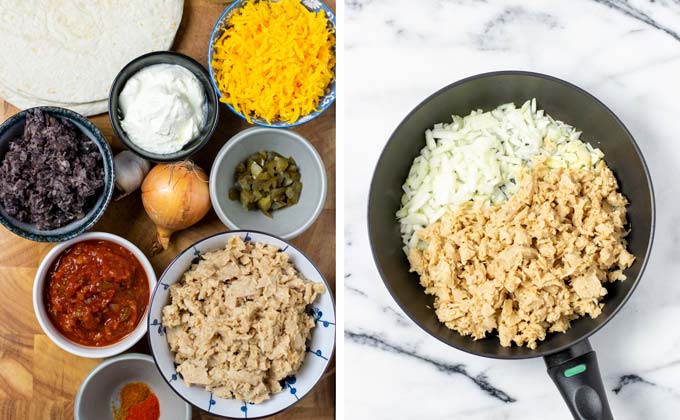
(273, 62)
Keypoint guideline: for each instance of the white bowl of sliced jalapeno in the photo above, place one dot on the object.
(268, 180)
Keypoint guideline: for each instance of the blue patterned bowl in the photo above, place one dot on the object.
(13, 128)
(218, 29)
(320, 348)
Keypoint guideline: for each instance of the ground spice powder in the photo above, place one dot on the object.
(149, 409)
(137, 402)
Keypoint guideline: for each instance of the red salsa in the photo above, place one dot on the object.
(96, 293)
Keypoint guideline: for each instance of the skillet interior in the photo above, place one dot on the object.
(562, 101)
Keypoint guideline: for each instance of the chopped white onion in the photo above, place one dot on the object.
(478, 157)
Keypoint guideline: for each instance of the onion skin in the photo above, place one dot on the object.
(175, 196)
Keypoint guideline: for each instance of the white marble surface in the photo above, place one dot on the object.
(626, 53)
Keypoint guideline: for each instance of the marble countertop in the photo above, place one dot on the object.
(626, 53)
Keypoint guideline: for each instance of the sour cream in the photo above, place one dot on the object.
(163, 108)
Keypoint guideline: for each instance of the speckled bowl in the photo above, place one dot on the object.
(101, 388)
(319, 351)
(13, 128)
(211, 104)
(218, 29)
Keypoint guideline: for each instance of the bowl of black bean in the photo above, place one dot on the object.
(56, 174)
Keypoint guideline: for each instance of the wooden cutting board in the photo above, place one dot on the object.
(38, 380)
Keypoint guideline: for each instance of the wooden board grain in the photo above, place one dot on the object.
(38, 380)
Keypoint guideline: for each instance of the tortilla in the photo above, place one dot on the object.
(23, 102)
(69, 51)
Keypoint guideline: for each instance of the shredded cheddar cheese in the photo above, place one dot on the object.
(274, 60)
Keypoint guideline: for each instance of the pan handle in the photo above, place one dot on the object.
(577, 376)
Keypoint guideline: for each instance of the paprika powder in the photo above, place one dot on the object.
(137, 402)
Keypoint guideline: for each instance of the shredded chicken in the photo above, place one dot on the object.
(237, 320)
(531, 265)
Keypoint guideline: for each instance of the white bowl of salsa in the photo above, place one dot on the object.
(91, 294)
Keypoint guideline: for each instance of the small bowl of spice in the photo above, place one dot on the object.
(163, 107)
(268, 180)
(128, 387)
(56, 174)
(91, 294)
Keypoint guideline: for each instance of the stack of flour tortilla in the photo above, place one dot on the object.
(67, 53)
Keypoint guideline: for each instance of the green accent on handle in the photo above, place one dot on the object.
(575, 370)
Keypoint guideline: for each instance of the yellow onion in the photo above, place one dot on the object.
(175, 196)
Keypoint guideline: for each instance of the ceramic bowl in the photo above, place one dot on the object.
(211, 103)
(101, 388)
(288, 222)
(320, 348)
(219, 28)
(41, 311)
(13, 128)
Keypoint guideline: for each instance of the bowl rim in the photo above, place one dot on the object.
(244, 135)
(238, 232)
(330, 17)
(53, 333)
(107, 163)
(150, 59)
(457, 83)
(108, 362)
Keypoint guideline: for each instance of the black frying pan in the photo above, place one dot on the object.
(570, 360)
